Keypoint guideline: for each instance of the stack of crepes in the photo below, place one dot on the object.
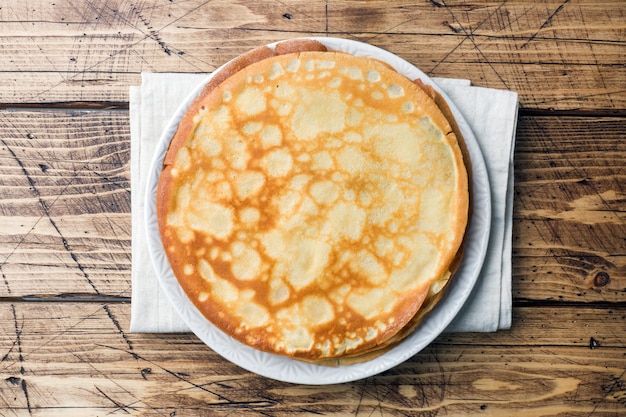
(313, 204)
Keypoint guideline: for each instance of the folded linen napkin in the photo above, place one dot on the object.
(492, 115)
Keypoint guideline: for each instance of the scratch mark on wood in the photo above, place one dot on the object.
(596, 61)
(451, 51)
(617, 387)
(179, 53)
(56, 336)
(187, 13)
(120, 331)
(152, 34)
(18, 343)
(132, 405)
(18, 339)
(179, 376)
(470, 35)
(326, 16)
(4, 278)
(378, 398)
(6, 355)
(582, 97)
(386, 31)
(360, 400)
(86, 69)
(117, 405)
(25, 391)
(443, 384)
(310, 412)
(46, 56)
(545, 23)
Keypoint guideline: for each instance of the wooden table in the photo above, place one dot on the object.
(65, 241)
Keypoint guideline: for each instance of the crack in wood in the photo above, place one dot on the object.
(120, 331)
(25, 391)
(326, 16)
(5, 279)
(18, 340)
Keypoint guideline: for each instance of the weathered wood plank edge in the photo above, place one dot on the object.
(67, 298)
(69, 105)
(460, 33)
(526, 112)
(526, 302)
(123, 105)
(113, 299)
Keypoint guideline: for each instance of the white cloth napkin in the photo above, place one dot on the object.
(492, 114)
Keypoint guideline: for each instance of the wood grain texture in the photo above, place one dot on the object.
(569, 237)
(65, 207)
(529, 371)
(560, 55)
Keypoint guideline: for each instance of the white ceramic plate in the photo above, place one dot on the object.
(289, 370)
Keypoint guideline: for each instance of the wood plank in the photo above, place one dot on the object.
(557, 55)
(570, 209)
(84, 363)
(65, 209)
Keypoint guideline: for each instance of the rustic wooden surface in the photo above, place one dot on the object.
(65, 237)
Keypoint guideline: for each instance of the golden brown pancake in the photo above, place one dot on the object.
(311, 201)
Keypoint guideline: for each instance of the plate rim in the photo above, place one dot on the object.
(285, 369)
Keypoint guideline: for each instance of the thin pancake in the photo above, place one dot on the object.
(310, 200)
